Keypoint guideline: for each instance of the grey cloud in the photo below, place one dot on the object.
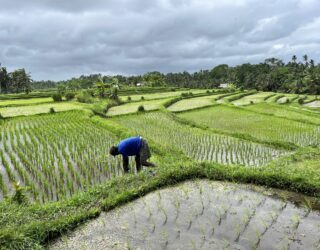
(60, 39)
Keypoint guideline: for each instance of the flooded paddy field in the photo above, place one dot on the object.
(204, 215)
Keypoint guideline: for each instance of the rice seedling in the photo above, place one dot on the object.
(288, 112)
(198, 144)
(262, 127)
(132, 107)
(41, 108)
(228, 231)
(24, 102)
(55, 155)
(193, 103)
(255, 98)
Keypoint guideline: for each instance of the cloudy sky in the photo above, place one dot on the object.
(58, 39)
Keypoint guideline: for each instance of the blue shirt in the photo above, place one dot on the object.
(130, 146)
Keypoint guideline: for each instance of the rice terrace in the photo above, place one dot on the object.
(154, 125)
(52, 179)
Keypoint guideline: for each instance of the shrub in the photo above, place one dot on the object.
(90, 92)
(141, 108)
(251, 102)
(173, 89)
(186, 94)
(142, 97)
(301, 101)
(114, 94)
(129, 98)
(171, 101)
(112, 103)
(84, 97)
(70, 96)
(51, 111)
(208, 91)
(99, 109)
(57, 97)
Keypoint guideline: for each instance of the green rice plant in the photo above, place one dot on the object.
(56, 155)
(287, 112)
(3, 186)
(198, 144)
(5, 164)
(263, 127)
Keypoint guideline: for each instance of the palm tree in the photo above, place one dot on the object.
(312, 63)
(305, 58)
(294, 58)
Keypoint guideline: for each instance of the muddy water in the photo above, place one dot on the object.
(202, 215)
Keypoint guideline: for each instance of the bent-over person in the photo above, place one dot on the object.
(133, 146)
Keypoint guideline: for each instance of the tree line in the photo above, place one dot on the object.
(295, 76)
(14, 82)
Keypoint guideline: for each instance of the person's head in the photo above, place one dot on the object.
(114, 150)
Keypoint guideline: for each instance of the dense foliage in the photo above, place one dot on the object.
(271, 75)
(14, 82)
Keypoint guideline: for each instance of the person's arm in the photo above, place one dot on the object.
(148, 164)
(125, 163)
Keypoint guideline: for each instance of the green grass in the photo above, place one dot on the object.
(41, 108)
(263, 127)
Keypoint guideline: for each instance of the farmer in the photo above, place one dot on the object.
(133, 146)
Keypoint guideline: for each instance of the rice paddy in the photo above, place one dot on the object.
(286, 112)
(198, 144)
(264, 127)
(201, 215)
(193, 103)
(314, 104)
(64, 157)
(40, 109)
(153, 96)
(47, 154)
(251, 99)
(133, 107)
(22, 102)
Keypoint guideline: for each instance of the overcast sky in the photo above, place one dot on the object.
(58, 39)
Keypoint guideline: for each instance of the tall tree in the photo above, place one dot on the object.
(4, 80)
(294, 58)
(305, 58)
(20, 81)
